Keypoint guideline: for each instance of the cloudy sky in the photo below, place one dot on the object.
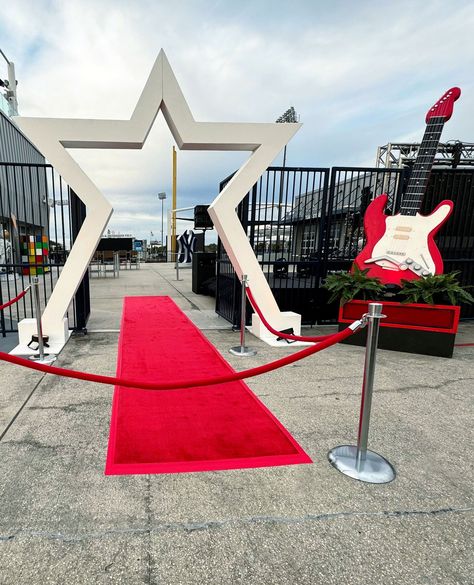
(360, 74)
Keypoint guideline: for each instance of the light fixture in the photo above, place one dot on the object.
(162, 197)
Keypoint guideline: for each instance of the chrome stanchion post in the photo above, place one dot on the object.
(374, 316)
(40, 356)
(241, 349)
(357, 461)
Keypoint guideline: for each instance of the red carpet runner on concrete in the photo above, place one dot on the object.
(196, 429)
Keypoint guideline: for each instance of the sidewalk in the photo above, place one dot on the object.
(62, 521)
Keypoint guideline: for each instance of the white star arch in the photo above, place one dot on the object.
(53, 136)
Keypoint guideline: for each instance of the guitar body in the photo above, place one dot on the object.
(401, 247)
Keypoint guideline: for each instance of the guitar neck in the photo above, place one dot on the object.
(422, 168)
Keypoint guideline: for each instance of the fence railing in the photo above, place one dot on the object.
(304, 223)
(40, 217)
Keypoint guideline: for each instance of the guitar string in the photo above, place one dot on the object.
(420, 175)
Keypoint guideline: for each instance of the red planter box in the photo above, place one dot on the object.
(410, 327)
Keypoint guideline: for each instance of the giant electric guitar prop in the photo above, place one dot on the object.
(402, 246)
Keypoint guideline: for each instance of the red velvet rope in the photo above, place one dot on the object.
(279, 333)
(336, 338)
(15, 300)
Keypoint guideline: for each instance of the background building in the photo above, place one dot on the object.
(24, 209)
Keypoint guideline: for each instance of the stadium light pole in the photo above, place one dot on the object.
(162, 197)
(288, 117)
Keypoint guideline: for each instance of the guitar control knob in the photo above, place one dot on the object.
(408, 261)
(403, 267)
(425, 273)
(417, 267)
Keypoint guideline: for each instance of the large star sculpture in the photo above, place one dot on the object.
(53, 136)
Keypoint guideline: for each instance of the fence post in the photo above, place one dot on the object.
(2, 316)
(357, 461)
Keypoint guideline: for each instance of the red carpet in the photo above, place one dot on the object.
(196, 429)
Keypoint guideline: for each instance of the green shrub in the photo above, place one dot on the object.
(347, 286)
(435, 289)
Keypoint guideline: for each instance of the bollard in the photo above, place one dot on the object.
(116, 265)
(177, 267)
(241, 349)
(357, 461)
(40, 357)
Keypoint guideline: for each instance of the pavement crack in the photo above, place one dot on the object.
(112, 562)
(400, 389)
(148, 532)
(34, 445)
(190, 527)
(17, 414)
(68, 407)
(201, 526)
(439, 386)
(301, 396)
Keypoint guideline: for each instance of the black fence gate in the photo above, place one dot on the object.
(304, 223)
(40, 217)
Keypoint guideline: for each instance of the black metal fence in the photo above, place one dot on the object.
(40, 217)
(456, 238)
(304, 223)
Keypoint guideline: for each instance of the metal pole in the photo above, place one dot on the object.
(39, 327)
(2, 316)
(162, 244)
(174, 202)
(12, 97)
(40, 356)
(241, 349)
(374, 316)
(13, 101)
(177, 267)
(357, 461)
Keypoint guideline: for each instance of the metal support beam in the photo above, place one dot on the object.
(452, 154)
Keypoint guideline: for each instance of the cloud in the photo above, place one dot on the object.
(360, 75)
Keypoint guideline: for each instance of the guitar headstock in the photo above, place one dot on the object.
(444, 106)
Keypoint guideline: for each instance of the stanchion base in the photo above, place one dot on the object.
(374, 469)
(242, 351)
(47, 358)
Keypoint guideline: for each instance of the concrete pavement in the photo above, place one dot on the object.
(63, 521)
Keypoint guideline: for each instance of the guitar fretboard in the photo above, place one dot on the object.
(422, 168)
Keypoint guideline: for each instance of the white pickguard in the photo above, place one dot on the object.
(406, 236)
